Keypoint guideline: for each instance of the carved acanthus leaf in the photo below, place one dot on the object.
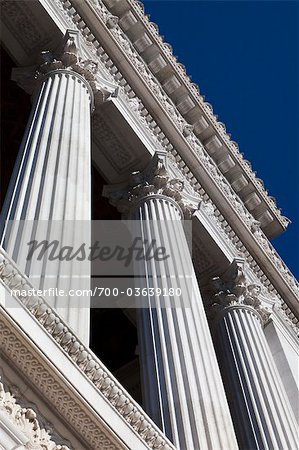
(154, 180)
(25, 419)
(233, 289)
(67, 58)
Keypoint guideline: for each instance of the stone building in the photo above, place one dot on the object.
(110, 126)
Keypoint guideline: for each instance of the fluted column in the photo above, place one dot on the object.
(182, 386)
(51, 184)
(262, 415)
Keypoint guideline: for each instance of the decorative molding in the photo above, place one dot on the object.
(25, 419)
(89, 429)
(196, 146)
(118, 155)
(194, 96)
(68, 59)
(288, 317)
(85, 360)
(19, 21)
(239, 249)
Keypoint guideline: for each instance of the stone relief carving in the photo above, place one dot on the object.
(181, 123)
(119, 156)
(25, 419)
(206, 107)
(233, 288)
(137, 107)
(176, 172)
(53, 390)
(190, 137)
(85, 361)
(69, 59)
(211, 211)
(154, 180)
(18, 19)
(238, 248)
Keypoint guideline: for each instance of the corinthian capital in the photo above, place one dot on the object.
(154, 180)
(68, 57)
(234, 289)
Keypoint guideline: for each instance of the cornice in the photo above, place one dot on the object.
(165, 52)
(84, 359)
(261, 252)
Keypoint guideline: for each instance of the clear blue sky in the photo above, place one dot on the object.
(244, 57)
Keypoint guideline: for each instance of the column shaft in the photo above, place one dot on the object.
(51, 185)
(261, 411)
(182, 382)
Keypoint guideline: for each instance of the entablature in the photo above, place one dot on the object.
(101, 28)
(195, 164)
(185, 95)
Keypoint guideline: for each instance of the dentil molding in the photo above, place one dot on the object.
(104, 15)
(97, 53)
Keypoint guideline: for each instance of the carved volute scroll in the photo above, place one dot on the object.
(154, 180)
(234, 290)
(67, 58)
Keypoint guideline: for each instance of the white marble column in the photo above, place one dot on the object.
(182, 386)
(261, 411)
(51, 184)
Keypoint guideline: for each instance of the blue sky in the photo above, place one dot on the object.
(244, 57)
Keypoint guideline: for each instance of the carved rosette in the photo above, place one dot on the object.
(234, 290)
(25, 419)
(155, 180)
